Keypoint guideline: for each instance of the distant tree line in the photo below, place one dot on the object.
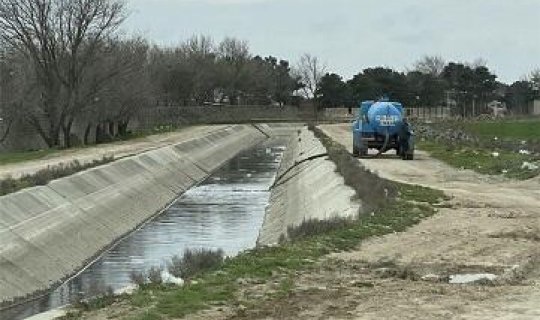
(63, 63)
(432, 82)
(200, 72)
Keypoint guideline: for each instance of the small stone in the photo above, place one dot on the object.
(241, 309)
(431, 278)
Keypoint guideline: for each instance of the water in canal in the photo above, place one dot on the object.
(224, 212)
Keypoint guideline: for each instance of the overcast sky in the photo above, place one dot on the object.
(350, 35)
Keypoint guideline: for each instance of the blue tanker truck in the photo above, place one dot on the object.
(382, 125)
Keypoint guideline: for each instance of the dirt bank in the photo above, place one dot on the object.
(492, 225)
(117, 150)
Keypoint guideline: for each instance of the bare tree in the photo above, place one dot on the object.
(432, 65)
(310, 71)
(7, 116)
(60, 39)
(117, 102)
(199, 46)
(235, 62)
(198, 61)
(16, 90)
(534, 77)
(478, 63)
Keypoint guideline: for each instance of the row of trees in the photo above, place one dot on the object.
(432, 82)
(199, 72)
(63, 63)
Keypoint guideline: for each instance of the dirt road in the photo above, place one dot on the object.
(116, 150)
(492, 227)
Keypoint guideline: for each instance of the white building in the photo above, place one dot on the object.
(535, 107)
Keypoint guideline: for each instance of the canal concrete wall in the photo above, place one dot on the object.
(49, 232)
(307, 187)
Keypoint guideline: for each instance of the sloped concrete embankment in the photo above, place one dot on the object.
(307, 187)
(47, 233)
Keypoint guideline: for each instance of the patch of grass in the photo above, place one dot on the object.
(15, 157)
(195, 296)
(147, 315)
(286, 286)
(514, 129)
(44, 176)
(315, 227)
(482, 160)
(141, 298)
(101, 301)
(22, 156)
(421, 194)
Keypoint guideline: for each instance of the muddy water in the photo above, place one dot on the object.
(225, 212)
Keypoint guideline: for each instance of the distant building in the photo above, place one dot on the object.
(535, 107)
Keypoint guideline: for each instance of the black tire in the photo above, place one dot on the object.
(409, 156)
(363, 152)
(355, 151)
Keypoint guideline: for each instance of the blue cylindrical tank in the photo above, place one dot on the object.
(385, 117)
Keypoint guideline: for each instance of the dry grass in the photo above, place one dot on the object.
(44, 176)
(374, 191)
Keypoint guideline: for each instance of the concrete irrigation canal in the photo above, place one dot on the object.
(220, 186)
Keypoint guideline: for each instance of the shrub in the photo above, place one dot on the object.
(195, 261)
(138, 278)
(100, 298)
(315, 227)
(154, 275)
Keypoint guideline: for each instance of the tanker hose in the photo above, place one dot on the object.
(385, 145)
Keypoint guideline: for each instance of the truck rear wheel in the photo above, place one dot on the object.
(363, 152)
(408, 156)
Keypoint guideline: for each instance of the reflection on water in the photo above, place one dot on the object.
(226, 211)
